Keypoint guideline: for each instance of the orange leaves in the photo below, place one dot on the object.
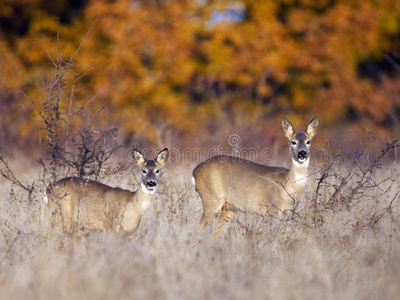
(12, 71)
(190, 62)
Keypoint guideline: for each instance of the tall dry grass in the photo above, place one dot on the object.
(339, 255)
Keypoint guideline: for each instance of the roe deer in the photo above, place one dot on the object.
(78, 202)
(227, 183)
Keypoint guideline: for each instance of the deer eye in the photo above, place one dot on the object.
(144, 171)
(294, 143)
(157, 171)
(308, 142)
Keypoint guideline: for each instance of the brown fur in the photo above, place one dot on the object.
(227, 183)
(75, 203)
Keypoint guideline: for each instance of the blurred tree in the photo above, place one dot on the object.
(219, 63)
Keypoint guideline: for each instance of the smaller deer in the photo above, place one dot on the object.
(78, 202)
(227, 183)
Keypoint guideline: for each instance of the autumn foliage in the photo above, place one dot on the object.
(198, 68)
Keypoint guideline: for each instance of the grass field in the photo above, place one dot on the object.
(349, 253)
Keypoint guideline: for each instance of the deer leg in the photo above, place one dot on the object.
(211, 207)
(227, 216)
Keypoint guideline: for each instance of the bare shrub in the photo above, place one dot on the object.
(7, 173)
(68, 147)
(340, 184)
(69, 144)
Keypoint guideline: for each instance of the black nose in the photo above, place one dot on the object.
(151, 183)
(302, 154)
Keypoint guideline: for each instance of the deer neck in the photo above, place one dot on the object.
(144, 197)
(298, 172)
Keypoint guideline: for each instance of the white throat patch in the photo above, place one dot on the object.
(301, 176)
(146, 190)
(301, 165)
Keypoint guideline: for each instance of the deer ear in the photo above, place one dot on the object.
(312, 127)
(287, 128)
(162, 157)
(138, 158)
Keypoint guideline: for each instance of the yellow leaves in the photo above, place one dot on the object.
(389, 16)
(300, 98)
(264, 90)
(300, 20)
(6, 10)
(169, 62)
(44, 24)
(12, 71)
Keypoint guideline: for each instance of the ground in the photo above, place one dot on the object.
(344, 256)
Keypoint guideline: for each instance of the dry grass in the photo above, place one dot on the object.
(345, 257)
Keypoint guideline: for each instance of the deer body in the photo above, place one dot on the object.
(78, 202)
(267, 186)
(227, 183)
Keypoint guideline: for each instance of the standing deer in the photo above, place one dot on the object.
(227, 183)
(79, 202)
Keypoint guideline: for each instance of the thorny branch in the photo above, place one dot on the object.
(341, 187)
(66, 148)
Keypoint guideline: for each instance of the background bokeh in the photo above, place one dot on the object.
(190, 73)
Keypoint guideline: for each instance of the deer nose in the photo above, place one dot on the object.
(151, 183)
(302, 154)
